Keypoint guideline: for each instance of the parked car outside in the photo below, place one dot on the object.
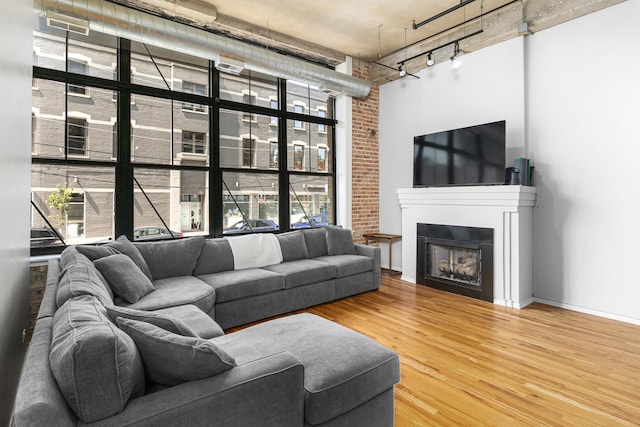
(255, 225)
(154, 233)
(43, 236)
(311, 221)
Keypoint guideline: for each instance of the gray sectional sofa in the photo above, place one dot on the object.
(133, 334)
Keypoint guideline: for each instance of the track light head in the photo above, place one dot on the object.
(430, 60)
(455, 61)
(401, 70)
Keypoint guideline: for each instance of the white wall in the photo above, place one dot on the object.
(15, 176)
(584, 113)
(573, 91)
(442, 99)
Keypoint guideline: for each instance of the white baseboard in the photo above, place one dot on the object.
(588, 311)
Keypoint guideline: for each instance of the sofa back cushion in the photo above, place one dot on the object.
(97, 366)
(121, 245)
(340, 241)
(77, 280)
(171, 258)
(171, 359)
(124, 277)
(216, 256)
(316, 240)
(293, 246)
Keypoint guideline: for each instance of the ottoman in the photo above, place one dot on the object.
(348, 377)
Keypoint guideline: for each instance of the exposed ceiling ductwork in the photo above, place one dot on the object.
(120, 21)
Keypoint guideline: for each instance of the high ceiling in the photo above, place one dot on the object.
(370, 30)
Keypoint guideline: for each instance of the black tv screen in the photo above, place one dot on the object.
(474, 155)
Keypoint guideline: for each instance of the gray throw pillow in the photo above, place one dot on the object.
(171, 258)
(125, 278)
(171, 359)
(96, 365)
(161, 320)
(121, 245)
(340, 241)
(316, 240)
(293, 246)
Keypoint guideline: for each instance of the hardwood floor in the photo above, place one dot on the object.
(466, 362)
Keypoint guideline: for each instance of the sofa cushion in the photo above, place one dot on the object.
(70, 256)
(121, 245)
(342, 368)
(176, 291)
(239, 284)
(254, 250)
(125, 278)
(215, 256)
(348, 265)
(96, 365)
(170, 258)
(293, 246)
(195, 319)
(161, 320)
(171, 359)
(80, 280)
(340, 241)
(316, 240)
(303, 272)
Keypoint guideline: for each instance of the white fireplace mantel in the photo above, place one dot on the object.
(507, 209)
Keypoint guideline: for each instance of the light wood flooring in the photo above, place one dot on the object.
(466, 362)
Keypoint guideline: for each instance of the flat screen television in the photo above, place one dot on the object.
(474, 155)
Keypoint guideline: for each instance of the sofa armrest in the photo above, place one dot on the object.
(264, 392)
(372, 252)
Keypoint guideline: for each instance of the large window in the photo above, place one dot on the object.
(204, 153)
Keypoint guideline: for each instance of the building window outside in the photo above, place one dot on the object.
(77, 135)
(298, 156)
(75, 216)
(198, 89)
(322, 158)
(171, 184)
(273, 154)
(298, 124)
(248, 151)
(322, 128)
(193, 142)
(273, 104)
(78, 68)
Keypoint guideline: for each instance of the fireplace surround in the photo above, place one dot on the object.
(506, 209)
(456, 259)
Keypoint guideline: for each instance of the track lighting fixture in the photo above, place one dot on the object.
(401, 70)
(455, 61)
(430, 60)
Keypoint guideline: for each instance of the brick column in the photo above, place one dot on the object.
(365, 213)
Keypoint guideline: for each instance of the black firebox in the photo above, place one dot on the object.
(456, 259)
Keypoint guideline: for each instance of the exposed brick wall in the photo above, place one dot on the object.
(365, 174)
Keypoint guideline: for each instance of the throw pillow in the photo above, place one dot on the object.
(124, 277)
(316, 240)
(340, 241)
(293, 246)
(121, 245)
(163, 321)
(171, 258)
(96, 365)
(171, 359)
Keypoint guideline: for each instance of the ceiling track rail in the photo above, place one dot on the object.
(441, 14)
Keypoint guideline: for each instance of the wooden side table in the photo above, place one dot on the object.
(389, 239)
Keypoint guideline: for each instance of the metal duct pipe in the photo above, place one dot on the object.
(120, 21)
